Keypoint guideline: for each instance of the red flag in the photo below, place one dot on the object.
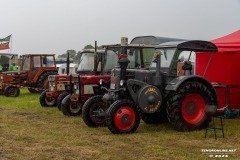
(4, 46)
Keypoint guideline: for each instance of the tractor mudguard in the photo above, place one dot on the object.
(147, 97)
(176, 83)
(130, 84)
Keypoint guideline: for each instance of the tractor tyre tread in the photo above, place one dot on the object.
(86, 109)
(60, 99)
(173, 105)
(42, 99)
(111, 113)
(6, 91)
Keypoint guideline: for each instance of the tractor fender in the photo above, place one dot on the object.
(147, 97)
(130, 84)
(177, 82)
(40, 73)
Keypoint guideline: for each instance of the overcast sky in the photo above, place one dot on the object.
(54, 26)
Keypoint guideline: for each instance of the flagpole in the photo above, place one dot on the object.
(11, 45)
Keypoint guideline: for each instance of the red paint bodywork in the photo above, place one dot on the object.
(223, 68)
(85, 80)
(58, 79)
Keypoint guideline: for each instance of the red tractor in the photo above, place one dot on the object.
(59, 85)
(33, 74)
(96, 67)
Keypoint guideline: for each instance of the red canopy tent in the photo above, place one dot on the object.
(228, 43)
(223, 67)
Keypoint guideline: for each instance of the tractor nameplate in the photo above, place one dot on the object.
(61, 87)
(149, 99)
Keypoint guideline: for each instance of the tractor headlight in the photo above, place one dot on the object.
(122, 83)
(77, 91)
(1, 77)
(75, 87)
(101, 82)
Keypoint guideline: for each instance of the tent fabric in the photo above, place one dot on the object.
(228, 43)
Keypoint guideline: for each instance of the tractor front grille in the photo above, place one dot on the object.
(51, 78)
(51, 86)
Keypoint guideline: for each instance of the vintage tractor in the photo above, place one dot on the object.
(87, 85)
(140, 53)
(59, 85)
(158, 92)
(8, 62)
(33, 74)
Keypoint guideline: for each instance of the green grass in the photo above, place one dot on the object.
(29, 131)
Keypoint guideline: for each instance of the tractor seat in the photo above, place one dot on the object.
(187, 67)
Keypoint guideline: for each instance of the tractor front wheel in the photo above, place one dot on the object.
(186, 107)
(123, 117)
(70, 108)
(47, 101)
(60, 98)
(91, 110)
(11, 91)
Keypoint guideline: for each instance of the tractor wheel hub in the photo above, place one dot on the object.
(125, 119)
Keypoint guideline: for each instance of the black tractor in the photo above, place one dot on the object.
(160, 93)
(140, 53)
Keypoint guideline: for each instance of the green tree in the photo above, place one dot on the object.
(77, 57)
(72, 54)
(89, 46)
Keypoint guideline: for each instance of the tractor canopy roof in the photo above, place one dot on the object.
(228, 43)
(193, 45)
(152, 40)
(130, 46)
(93, 51)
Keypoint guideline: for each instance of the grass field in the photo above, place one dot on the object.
(29, 131)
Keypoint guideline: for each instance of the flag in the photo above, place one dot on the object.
(6, 39)
(4, 46)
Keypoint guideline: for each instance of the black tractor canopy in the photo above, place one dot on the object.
(193, 45)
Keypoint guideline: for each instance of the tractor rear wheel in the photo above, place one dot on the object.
(89, 112)
(60, 98)
(186, 107)
(123, 117)
(70, 108)
(45, 101)
(42, 83)
(11, 91)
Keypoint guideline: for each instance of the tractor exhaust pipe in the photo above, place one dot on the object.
(122, 59)
(95, 58)
(68, 63)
